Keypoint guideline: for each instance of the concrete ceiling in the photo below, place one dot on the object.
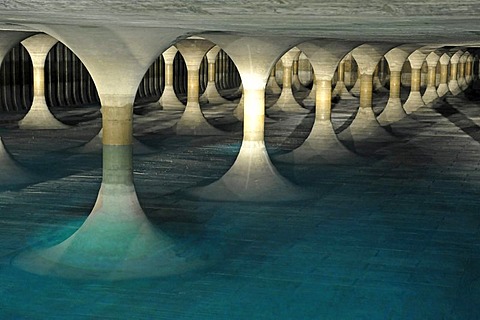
(453, 23)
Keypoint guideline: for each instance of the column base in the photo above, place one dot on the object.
(393, 112)
(442, 89)
(414, 102)
(211, 95)
(40, 118)
(454, 88)
(321, 147)
(193, 123)
(251, 178)
(12, 173)
(115, 242)
(169, 100)
(341, 91)
(430, 95)
(287, 103)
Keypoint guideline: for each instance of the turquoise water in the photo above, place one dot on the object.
(394, 238)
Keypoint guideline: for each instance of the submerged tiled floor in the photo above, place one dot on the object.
(397, 237)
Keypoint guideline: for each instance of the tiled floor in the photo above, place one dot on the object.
(397, 237)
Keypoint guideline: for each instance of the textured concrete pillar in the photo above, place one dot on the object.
(211, 94)
(192, 121)
(286, 102)
(11, 172)
(394, 111)
(340, 89)
(431, 94)
(296, 84)
(322, 144)
(305, 73)
(468, 69)
(377, 74)
(169, 100)
(116, 241)
(453, 85)
(252, 177)
(414, 100)
(443, 86)
(39, 116)
(309, 101)
(462, 81)
(365, 125)
(272, 85)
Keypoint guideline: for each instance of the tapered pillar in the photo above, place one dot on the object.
(462, 82)
(443, 86)
(468, 69)
(211, 94)
(340, 89)
(394, 111)
(305, 72)
(365, 125)
(414, 100)
(39, 116)
(453, 85)
(431, 94)
(286, 102)
(116, 241)
(296, 84)
(355, 90)
(252, 177)
(322, 144)
(272, 85)
(169, 99)
(192, 121)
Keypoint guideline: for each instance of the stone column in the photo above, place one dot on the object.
(462, 82)
(305, 73)
(211, 94)
(286, 102)
(414, 100)
(192, 121)
(169, 99)
(340, 89)
(443, 86)
(116, 241)
(468, 69)
(296, 84)
(322, 144)
(394, 111)
(431, 94)
(453, 85)
(365, 125)
(252, 177)
(309, 101)
(39, 116)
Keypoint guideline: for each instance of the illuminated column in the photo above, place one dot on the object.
(192, 121)
(11, 172)
(305, 74)
(415, 101)
(443, 86)
(377, 84)
(365, 125)
(322, 144)
(252, 177)
(453, 85)
(468, 69)
(286, 102)
(116, 241)
(355, 91)
(462, 82)
(169, 100)
(211, 93)
(272, 85)
(340, 89)
(431, 94)
(296, 84)
(39, 116)
(394, 111)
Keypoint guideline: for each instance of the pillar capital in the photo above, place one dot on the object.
(444, 59)
(432, 59)
(212, 54)
(38, 47)
(456, 57)
(368, 56)
(193, 50)
(169, 55)
(397, 56)
(417, 58)
(290, 56)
